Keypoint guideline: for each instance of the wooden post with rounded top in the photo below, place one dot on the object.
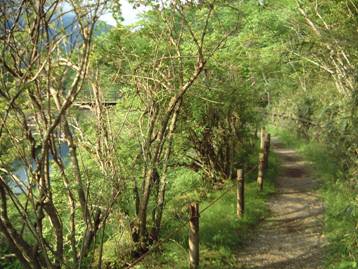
(260, 177)
(267, 149)
(194, 236)
(240, 203)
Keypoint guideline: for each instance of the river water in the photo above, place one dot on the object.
(21, 171)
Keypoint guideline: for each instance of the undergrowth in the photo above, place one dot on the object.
(221, 233)
(340, 200)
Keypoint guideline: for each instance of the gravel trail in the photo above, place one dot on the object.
(291, 238)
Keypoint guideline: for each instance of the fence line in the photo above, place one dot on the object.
(182, 221)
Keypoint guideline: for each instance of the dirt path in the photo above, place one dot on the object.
(291, 238)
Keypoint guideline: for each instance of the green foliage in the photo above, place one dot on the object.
(273, 62)
(221, 233)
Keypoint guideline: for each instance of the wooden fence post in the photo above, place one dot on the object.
(260, 177)
(267, 149)
(194, 236)
(240, 193)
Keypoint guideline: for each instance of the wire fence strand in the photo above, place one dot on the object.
(181, 222)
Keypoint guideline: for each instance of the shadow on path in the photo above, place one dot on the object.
(291, 238)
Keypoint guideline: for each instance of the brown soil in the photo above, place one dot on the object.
(291, 238)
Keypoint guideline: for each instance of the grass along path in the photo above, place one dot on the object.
(292, 236)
